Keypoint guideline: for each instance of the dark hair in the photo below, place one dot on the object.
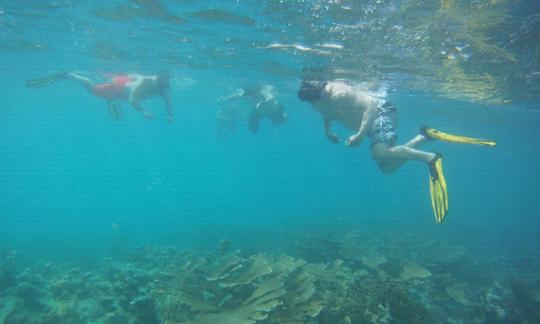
(311, 90)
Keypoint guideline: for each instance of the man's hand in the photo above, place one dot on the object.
(148, 115)
(353, 141)
(170, 118)
(332, 137)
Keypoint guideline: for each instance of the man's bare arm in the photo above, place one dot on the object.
(238, 94)
(367, 120)
(137, 106)
(85, 82)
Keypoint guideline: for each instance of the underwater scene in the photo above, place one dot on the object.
(267, 161)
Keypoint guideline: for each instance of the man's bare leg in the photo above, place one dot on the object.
(389, 159)
(85, 82)
(416, 142)
(137, 106)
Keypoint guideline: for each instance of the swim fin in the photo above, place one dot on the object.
(115, 110)
(437, 188)
(42, 82)
(434, 134)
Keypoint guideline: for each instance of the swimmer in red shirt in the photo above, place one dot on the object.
(133, 88)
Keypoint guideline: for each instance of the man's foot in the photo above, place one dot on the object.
(424, 133)
(433, 157)
(148, 115)
(60, 75)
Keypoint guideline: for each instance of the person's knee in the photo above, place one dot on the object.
(397, 152)
(383, 163)
(386, 159)
(380, 153)
(386, 167)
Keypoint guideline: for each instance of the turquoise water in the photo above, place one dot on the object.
(78, 187)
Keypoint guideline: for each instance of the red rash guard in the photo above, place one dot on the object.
(116, 89)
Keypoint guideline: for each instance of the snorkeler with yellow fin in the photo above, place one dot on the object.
(369, 115)
(437, 182)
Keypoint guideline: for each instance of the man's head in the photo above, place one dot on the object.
(163, 81)
(311, 90)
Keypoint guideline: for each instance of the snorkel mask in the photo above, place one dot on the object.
(311, 90)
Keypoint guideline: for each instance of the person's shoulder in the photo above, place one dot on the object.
(339, 85)
(143, 76)
(133, 77)
(364, 98)
(339, 89)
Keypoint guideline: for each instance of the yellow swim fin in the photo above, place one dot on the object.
(115, 110)
(434, 134)
(42, 82)
(437, 187)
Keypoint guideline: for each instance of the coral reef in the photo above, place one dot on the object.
(326, 248)
(232, 289)
(413, 271)
(375, 300)
(369, 279)
(113, 293)
(7, 268)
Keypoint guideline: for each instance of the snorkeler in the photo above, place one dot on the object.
(371, 116)
(133, 88)
(263, 105)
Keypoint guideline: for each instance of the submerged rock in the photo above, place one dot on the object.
(65, 287)
(458, 294)
(29, 293)
(412, 271)
(376, 300)
(144, 309)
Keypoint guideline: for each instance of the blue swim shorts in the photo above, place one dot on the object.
(384, 127)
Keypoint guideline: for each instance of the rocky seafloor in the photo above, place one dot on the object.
(322, 279)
